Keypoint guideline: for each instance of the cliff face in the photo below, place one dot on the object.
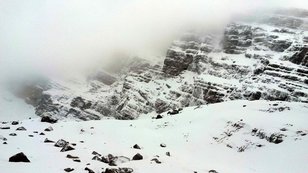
(265, 59)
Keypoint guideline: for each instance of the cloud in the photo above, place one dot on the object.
(56, 37)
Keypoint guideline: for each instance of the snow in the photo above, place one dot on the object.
(188, 137)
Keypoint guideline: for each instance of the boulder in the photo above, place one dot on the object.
(20, 157)
(137, 157)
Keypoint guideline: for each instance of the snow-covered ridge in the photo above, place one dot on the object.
(228, 137)
(264, 59)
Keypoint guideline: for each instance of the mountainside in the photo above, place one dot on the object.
(230, 137)
(260, 59)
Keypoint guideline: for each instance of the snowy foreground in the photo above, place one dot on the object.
(230, 137)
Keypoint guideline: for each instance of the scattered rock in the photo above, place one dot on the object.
(4, 128)
(113, 160)
(20, 157)
(21, 128)
(119, 170)
(61, 143)
(15, 123)
(163, 145)
(13, 134)
(35, 131)
(68, 169)
(72, 157)
(42, 133)
(275, 138)
(159, 116)
(48, 119)
(30, 135)
(168, 154)
(156, 161)
(89, 170)
(48, 141)
(136, 146)
(67, 147)
(213, 171)
(48, 129)
(96, 153)
(76, 160)
(4, 143)
(137, 157)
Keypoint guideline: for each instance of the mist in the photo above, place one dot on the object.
(58, 38)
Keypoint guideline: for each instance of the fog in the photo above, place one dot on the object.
(61, 37)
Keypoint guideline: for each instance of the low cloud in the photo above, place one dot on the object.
(56, 37)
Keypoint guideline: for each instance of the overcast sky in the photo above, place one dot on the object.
(48, 36)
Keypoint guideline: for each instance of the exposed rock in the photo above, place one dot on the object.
(275, 138)
(168, 154)
(159, 116)
(15, 123)
(69, 169)
(21, 128)
(213, 171)
(13, 134)
(5, 128)
(48, 141)
(72, 157)
(42, 133)
(163, 145)
(79, 102)
(301, 57)
(119, 170)
(89, 170)
(136, 146)
(61, 143)
(67, 147)
(137, 157)
(48, 119)
(20, 157)
(48, 129)
(156, 161)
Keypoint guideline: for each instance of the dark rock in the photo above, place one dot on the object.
(69, 169)
(35, 131)
(173, 112)
(42, 133)
(114, 160)
(13, 134)
(159, 116)
(79, 102)
(163, 145)
(15, 123)
(176, 62)
(156, 161)
(119, 170)
(72, 157)
(137, 157)
(136, 146)
(168, 154)
(96, 153)
(61, 143)
(21, 128)
(48, 141)
(67, 147)
(5, 128)
(48, 119)
(301, 57)
(76, 160)
(48, 129)
(20, 157)
(4, 142)
(30, 135)
(275, 138)
(89, 170)
(213, 171)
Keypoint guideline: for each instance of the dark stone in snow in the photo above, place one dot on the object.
(30, 135)
(89, 170)
(61, 143)
(275, 138)
(13, 134)
(15, 123)
(159, 116)
(212, 171)
(5, 128)
(48, 141)
(138, 157)
(21, 128)
(48, 119)
(48, 129)
(4, 142)
(76, 160)
(20, 157)
(163, 145)
(71, 157)
(96, 153)
(168, 153)
(42, 133)
(68, 169)
(67, 147)
(119, 170)
(136, 146)
(156, 161)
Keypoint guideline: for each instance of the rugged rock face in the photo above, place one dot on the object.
(265, 59)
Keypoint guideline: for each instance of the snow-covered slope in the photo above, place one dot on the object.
(228, 137)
